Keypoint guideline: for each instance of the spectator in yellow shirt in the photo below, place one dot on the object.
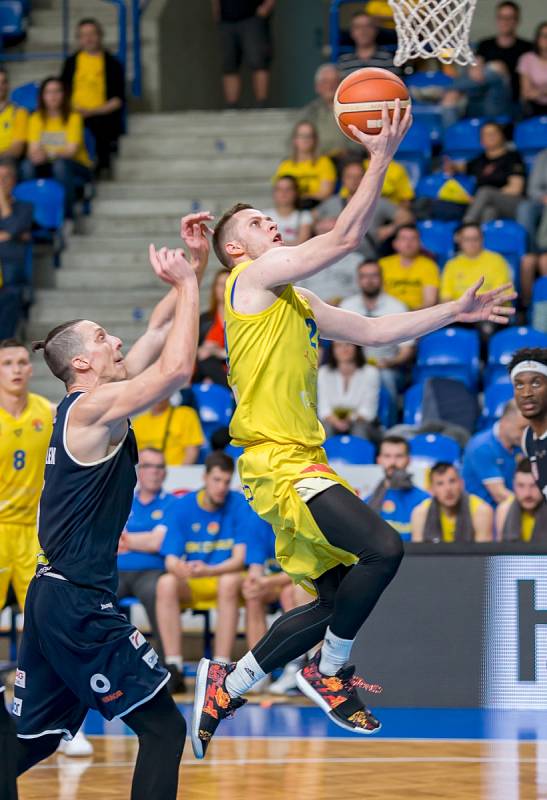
(397, 186)
(176, 431)
(13, 122)
(56, 146)
(316, 175)
(472, 263)
(410, 276)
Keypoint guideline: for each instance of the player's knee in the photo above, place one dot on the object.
(390, 550)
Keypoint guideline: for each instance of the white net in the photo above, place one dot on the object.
(433, 28)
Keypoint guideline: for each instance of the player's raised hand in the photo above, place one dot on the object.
(194, 233)
(486, 307)
(384, 144)
(171, 266)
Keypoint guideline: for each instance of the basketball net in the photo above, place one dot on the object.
(433, 28)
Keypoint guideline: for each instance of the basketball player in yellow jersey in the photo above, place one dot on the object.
(26, 422)
(324, 533)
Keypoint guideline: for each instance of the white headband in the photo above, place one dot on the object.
(528, 366)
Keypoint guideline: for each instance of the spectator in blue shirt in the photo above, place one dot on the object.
(204, 550)
(139, 561)
(396, 497)
(489, 459)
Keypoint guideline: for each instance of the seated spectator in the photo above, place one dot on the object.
(211, 356)
(532, 214)
(450, 514)
(397, 186)
(94, 80)
(13, 122)
(373, 301)
(522, 517)
(396, 496)
(294, 225)
(15, 227)
(316, 175)
(139, 561)
(532, 68)
(382, 14)
(204, 550)
(478, 90)
(500, 175)
(319, 112)
(56, 146)
(364, 33)
(472, 263)
(348, 392)
(503, 50)
(410, 276)
(174, 431)
(490, 457)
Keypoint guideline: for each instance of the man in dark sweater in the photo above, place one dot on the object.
(505, 49)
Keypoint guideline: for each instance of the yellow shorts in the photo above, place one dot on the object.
(19, 547)
(203, 593)
(268, 475)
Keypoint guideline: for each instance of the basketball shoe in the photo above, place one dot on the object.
(212, 703)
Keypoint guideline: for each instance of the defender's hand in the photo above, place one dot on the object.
(194, 233)
(487, 307)
(171, 266)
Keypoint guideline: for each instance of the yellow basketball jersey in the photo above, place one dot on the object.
(448, 524)
(528, 521)
(273, 359)
(23, 446)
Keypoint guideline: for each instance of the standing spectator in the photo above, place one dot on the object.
(489, 460)
(15, 227)
(450, 514)
(244, 36)
(410, 276)
(472, 263)
(294, 225)
(56, 146)
(319, 112)
(503, 50)
(522, 517)
(364, 33)
(211, 356)
(316, 175)
(396, 496)
(348, 392)
(532, 68)
(174, 431)
(95, 82)
(373, 301)
(478, 90)
(13, 122)
(204, 550)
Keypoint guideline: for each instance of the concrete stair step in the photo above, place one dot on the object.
(179, 169)
(205, 146)
(128, 331)
(114, 279)
(188, 190)
(218, 123)
(104, 246)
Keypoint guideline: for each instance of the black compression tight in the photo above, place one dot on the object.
(8, 746)
(346, 595)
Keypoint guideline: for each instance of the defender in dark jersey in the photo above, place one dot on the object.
(528, 370)
(78, 651)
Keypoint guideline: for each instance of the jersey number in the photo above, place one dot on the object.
(19, 459)
(312, 328)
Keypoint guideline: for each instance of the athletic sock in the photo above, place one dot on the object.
(221, 659)
(174, 661)
(246, 673)
(334, 653)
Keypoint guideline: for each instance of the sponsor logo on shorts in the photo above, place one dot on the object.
(104, 606)
(137, 639)
(318, 468)
(17, 706)
(21, 678)
(111, 697)
(99, 683)
(150, 658)
(51, 453)
(248, 493)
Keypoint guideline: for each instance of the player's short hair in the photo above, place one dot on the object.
(510, 4)
(60, 345)
(524, 466)
(12, 342)
(221, 460)
(90, 21)
(395, 440)
(441, 468)
(538, 354)
(224, 230)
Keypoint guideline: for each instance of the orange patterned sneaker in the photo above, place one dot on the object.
(212, 703)
(336, 695)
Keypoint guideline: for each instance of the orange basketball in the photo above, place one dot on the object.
(358, 99)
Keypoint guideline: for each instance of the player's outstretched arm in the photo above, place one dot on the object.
(347, 326)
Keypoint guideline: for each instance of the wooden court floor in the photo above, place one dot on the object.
(310, 769)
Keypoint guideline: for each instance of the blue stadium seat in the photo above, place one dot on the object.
(435, 447)
(437, 236)
(349, 449)
(48, 198)
(12, 19)
(412, 410)
(387, 409)
(431, 185)
(538, 306)
(430, 116)
(462, 140)
(509, 238)
(26, 95)
(215, 406)
(531, 135)
(539, 293)
(233, 451)
(503, 344)
(496, 395)
(449, 353)
(416, 146)
(414, 169)
(422, 80)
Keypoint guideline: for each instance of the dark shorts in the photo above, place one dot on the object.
(78, 652)
(245, 41)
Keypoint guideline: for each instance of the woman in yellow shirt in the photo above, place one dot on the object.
(55, 140)
(315, 174)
